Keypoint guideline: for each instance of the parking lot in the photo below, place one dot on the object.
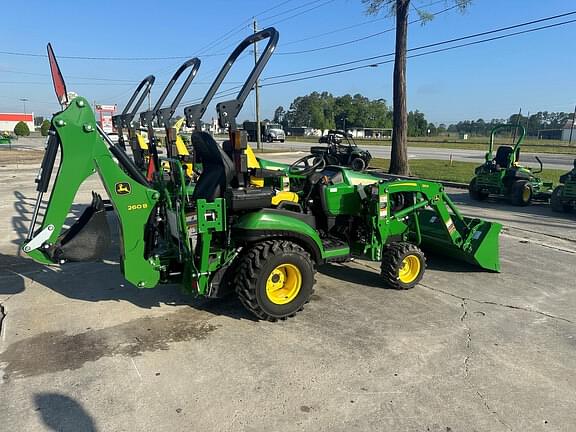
(466, 350)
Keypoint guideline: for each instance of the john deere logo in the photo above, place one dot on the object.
(123, 188)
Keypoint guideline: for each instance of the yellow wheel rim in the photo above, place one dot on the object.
(410, 269)
(283, 284)
(526, 194)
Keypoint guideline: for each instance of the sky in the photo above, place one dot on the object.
(533, 71)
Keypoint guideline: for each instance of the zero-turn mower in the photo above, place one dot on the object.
(245, 225)
(503, 176)
(564, 195)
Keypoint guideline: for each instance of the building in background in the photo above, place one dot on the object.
(569, 131)
(9, 120)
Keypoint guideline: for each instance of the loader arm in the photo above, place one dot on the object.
(83, 152)
(437, 223)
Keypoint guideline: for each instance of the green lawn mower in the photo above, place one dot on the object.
(503, 176)
(564, 195)
(247, 226)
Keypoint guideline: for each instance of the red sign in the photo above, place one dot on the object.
(16, 117)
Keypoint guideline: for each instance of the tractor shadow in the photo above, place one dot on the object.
(95, 281)
(371, 277)
(103, 281)
(355, 275)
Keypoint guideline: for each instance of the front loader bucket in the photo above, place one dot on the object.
(479, 246)
(88, 238)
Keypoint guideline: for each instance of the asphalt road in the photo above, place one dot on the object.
(466, 350)
(549, 160)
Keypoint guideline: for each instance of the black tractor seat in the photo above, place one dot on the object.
(217, 175)
(217, 168)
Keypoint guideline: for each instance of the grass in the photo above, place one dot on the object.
(461, 172)
(474, 143)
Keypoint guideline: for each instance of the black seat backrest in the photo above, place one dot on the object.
(502, 155)
(217, 168)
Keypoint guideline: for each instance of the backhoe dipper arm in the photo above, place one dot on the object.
(84, 152)
(227, 111)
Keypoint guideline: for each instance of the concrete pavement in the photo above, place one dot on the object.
(82, 350)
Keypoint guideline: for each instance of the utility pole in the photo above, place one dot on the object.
(517, 124)
(572, 127)
(24, 100)
(258, 132)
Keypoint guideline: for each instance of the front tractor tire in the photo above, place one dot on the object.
(403, 265)
(275, 279)
(474, 191)
(521, 193)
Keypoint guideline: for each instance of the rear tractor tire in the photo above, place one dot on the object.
(474, 193)
(403, 265)
(521, 193)
(275, 279)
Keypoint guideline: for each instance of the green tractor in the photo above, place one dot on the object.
(244, 225)
(564, 195)
(5, 138)
(503, 176)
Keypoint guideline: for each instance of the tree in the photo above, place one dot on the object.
(44, 128)
(21, 129)
(325, 111)
(279, 114)
(400, 8)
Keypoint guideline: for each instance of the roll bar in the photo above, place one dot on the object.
(124, 119)
(513, 127)
(147, 117)
(227, 111)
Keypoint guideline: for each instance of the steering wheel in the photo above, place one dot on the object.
(303, 167)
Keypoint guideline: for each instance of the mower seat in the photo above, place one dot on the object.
(502, 158)
(217, 168)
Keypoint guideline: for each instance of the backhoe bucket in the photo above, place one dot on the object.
(479, 246)
(88, 238)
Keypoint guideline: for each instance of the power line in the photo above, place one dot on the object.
(70, 76)
(420, 54)
(426, 46)
(157, 58)
(360, 39)
(302, 12)
(232, 90)
(350, 27)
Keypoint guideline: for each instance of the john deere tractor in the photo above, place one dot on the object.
(244, 225)
(503, 176)
(564, 195)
